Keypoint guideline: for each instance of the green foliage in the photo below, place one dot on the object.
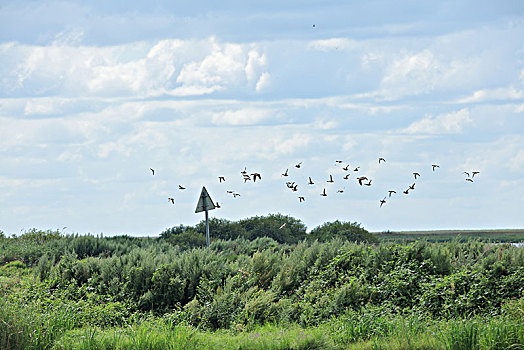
(222, 229)
(271, 226)
(39, 236)
(13, 268)
(350, 231)
(83, 285)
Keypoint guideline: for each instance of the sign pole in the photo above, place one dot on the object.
(207, 229)
(205, 203)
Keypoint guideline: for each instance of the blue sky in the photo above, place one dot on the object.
(93, 94)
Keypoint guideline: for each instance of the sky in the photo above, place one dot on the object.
(95, 93)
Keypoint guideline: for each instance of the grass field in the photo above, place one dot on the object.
(496, 236)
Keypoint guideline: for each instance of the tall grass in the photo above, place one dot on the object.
(151, 334)
(373, 332)
(462, 335)
(28, 327)
(155, 334)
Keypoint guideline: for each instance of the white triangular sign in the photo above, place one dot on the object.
(204, 202)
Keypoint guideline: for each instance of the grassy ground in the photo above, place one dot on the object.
(501, 236)
(395, 333)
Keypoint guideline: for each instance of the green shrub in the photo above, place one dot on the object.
(350, 231)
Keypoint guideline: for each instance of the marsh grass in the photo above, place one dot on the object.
(150, 334)
(155, 334)
(387, 333)
(28, 327)
(480, 333)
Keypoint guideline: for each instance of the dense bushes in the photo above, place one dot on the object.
(281, 228)
(345, 230)
(248, 282)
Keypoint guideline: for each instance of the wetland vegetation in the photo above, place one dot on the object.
(259, 286)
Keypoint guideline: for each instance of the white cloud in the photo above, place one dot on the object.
(42, 107)
(70, 156)
(141, 76)
(263, 82)
(223, 66)
(454, 63)
(509, 93)
(69, 38)
(502, 158)
(349, 143)
(369, 59)
(246, 116)
(333, 44)
(517, 161)
(255, 63)
(449, 123)
(325, 124)
(413, 74)
(142, 69)
(291, 144)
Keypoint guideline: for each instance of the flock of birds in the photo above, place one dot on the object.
(293, 186)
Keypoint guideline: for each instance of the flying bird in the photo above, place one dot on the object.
(356, 169)
(381, 159)
(310, 181)
(180, 187)
(294, 188)
(235, 195)
(434, 166)
(255, 175)
(152, 170)
(330, 179)
(360, 179)
(416, 175)
(217, 205)
(301, 199)
(465, 172)
(346, 168)
(470, 180)
(341, 191)
(285, 174)
(412, 187)
(246, 178)
(338, 161)
(473, 173)
(391, 192)
(244, 171)
(347, 176)
(221, 178)
(171, 199)
(382, 202)
(323, 194)
(282, 226)
(368, 183)
(406, 191)
(298, 165)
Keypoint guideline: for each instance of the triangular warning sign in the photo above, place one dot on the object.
(204, 202)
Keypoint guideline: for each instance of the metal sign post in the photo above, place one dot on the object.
(205, 203)
(207, 229)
